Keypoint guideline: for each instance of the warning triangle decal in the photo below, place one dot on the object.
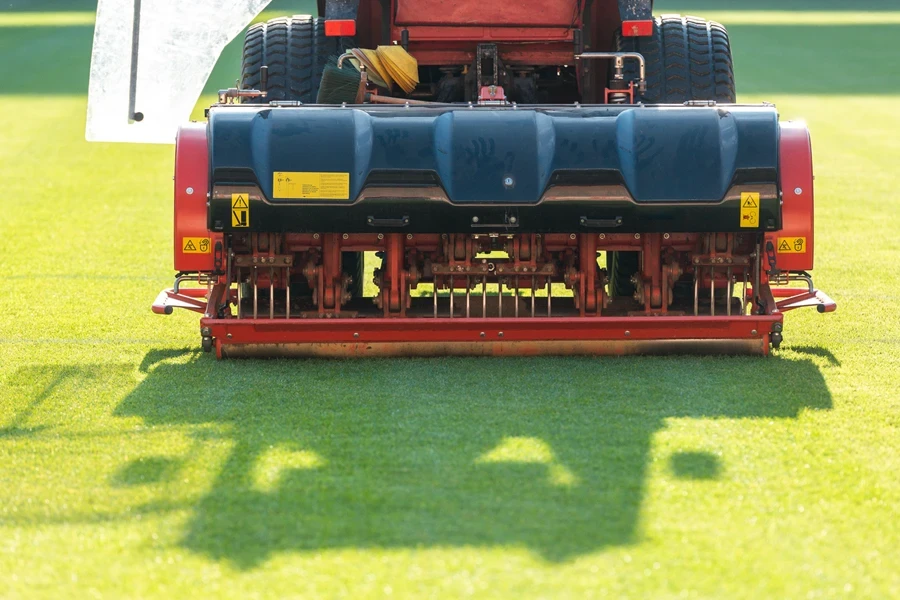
(750, 202)
(190, 247)
(239, 201)
(784, 246)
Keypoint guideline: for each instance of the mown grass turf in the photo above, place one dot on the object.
(133, 465)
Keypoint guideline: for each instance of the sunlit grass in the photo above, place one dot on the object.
(133, 465)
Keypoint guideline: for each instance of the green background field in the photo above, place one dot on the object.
(133, 465)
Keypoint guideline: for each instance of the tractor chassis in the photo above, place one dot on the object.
(554, 296)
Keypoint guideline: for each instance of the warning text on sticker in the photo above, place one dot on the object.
(240, 210)
(749, 209)
(319, 186)
(195, 245)
(791, 245)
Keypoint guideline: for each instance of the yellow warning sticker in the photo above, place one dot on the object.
(749, 209)
(240, 210)
(195, 245)
(791, 245)
(321, 186)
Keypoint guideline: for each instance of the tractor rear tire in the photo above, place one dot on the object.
(687, 59)
(295, 51)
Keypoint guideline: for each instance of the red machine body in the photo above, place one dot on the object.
(557, 299)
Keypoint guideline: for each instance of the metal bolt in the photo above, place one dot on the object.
(474, 219)
(637, 236)
(228, 335)
(190, 190)
(752, 332)
(380, 236)
(508, 181)
(627, 334)
(346, 236)
(315, 236)
(513, 220)
(572, 236)
(666, 236)
(602, 236)
(481, 334)
(499, 334)
(409, 236)
(798, 191)
(356, 335)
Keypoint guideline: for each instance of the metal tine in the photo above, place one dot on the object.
(239, 295)
(533, 283)
(517, 295)
(468, 284)
(500, 297)
(255, 295)
(434, 286)
(271, 293)
(549, 294)
(712, 291)
(287, 292)
(451, 296)
(483, 296)
(696, 292)
(744, 294)
(757, 259)
(730, 291)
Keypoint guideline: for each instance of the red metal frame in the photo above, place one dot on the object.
(479, 336)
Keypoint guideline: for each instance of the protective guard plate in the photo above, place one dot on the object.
(532, 169)
(156, 64)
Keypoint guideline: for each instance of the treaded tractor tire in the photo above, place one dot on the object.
(295, 50)
(687, 59)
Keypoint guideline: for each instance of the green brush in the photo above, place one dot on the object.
(339, 84)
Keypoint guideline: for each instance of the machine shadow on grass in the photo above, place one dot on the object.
(548, 454)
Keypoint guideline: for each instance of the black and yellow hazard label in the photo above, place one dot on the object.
(240, 210)
(791, 245)
(320, 186)
(195, 245)
(749, 209)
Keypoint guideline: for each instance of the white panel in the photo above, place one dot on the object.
(179, 43)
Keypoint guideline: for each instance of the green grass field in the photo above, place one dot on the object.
(133, 465)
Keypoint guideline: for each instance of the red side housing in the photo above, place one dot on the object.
(795, 164)
(191, 187)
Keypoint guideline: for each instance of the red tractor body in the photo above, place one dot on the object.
(563, 178)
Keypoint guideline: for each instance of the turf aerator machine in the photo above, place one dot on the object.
(562, 177)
